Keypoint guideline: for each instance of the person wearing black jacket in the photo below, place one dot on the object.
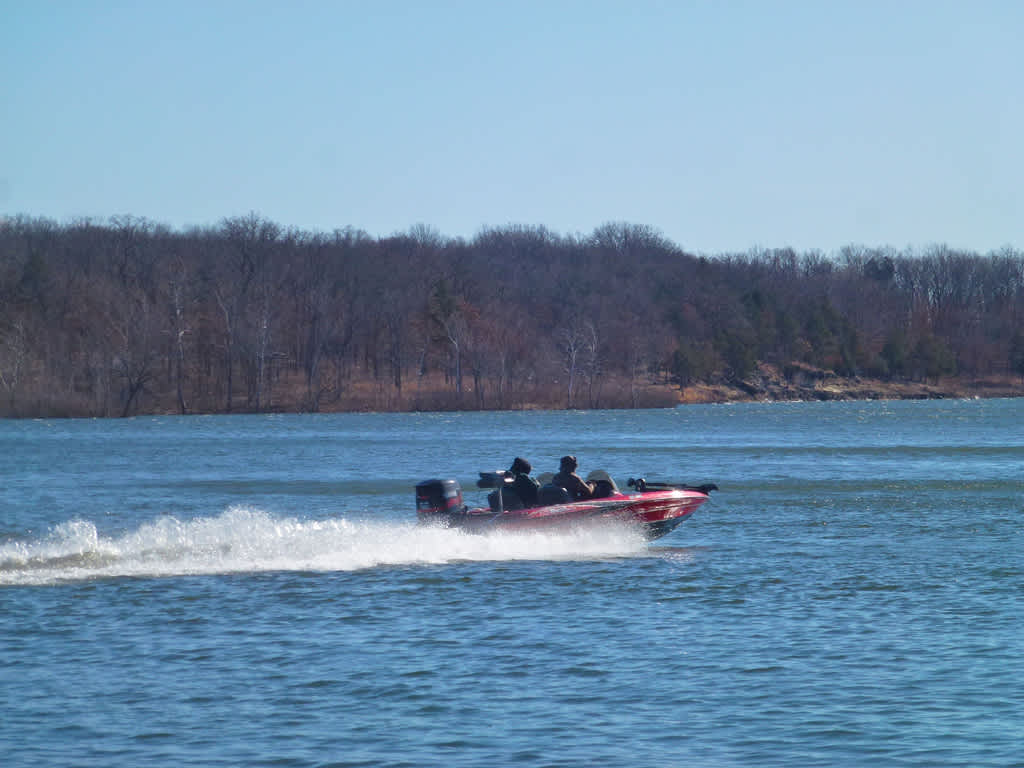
(525, 487)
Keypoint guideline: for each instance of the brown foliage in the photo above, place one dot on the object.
(129, 317)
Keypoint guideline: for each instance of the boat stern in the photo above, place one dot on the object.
(437, 500)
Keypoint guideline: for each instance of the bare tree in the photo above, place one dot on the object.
(247, 240)
(135, 353)
(446, 312)
(576, 342)
(13, 360)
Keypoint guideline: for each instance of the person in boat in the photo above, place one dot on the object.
(573, 483)
(525, 487)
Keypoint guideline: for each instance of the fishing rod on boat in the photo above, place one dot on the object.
(642, 485)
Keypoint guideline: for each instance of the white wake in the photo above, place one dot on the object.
(245, 540)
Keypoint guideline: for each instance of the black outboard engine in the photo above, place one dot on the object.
(438, 499)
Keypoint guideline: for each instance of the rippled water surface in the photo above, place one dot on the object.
(251, 590)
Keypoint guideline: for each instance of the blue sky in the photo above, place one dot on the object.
(725, 125)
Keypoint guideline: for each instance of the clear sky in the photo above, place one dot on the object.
(724, 124)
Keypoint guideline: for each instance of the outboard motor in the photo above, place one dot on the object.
(438, 499)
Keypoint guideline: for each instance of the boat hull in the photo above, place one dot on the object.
(654, 514)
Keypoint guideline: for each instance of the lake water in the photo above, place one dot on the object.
(252, 591)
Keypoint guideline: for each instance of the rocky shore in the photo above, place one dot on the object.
(768, 383)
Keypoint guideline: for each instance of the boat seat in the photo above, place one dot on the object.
(509, 500)
(603, 484)
(553, 494)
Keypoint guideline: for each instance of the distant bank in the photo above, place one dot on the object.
(806, 383)
(765, 384)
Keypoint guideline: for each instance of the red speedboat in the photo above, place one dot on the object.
(655, 509)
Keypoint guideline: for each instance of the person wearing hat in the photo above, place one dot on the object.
(573, 483)
(525, 487)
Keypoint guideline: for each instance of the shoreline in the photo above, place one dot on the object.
(767, 383)
(808, 384)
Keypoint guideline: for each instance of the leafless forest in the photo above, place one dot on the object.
(127, 316)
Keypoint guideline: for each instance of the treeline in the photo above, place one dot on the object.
(128, 316)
